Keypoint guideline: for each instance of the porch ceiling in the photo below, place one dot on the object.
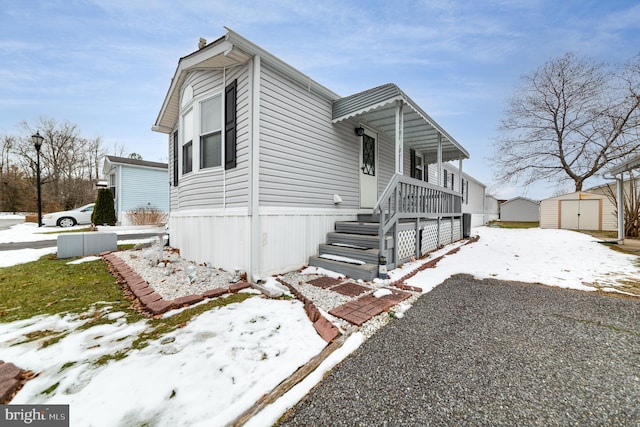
(377, 108)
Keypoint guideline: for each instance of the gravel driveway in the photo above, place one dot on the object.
(490, 353)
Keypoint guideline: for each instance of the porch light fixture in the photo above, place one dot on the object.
(359, 131)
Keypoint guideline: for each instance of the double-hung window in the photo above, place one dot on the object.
(187, 146)
(211, 132)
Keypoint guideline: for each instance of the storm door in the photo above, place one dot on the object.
(368, 170)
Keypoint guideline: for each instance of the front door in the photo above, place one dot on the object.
(368, 169)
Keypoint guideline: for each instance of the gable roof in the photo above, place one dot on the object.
(114, 160)
(377, 107)
(229, 50)
(521, 198)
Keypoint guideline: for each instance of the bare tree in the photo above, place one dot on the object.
(68, 162)
(569, 119)
(7, 143)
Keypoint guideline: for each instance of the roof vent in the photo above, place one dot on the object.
(202, 43)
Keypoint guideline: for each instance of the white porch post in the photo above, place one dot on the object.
(440, 159)
(399, 137)
(461, 190)
(254, 208)
(620, 197)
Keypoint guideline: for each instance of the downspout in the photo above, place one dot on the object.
(254, 190)
(439, 159)
(224, 169)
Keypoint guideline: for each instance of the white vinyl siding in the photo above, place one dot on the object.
(304, 159)
(520, 209)
(551, 211)
(213, 187)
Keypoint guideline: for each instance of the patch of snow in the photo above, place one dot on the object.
(346, 245)
(382, 292)
(271, 413)
(342, 259)
(85, 259)
(567, 259)
(240, 351)
(311, 270)
(22, 256)
(400, 309)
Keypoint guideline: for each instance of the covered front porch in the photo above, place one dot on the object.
(418, 208)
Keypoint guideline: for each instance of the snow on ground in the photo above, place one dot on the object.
(561, 258)
(30, 232)
(221, 362)
(21, 256)
(206, 373)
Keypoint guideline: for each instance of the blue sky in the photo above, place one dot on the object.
(106, 65)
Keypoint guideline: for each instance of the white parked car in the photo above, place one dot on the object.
(81, 215)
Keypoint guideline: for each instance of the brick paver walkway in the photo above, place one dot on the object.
(364, 308)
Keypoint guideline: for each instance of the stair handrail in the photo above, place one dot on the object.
(408, 205)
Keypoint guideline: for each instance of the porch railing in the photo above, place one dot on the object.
(410, 199)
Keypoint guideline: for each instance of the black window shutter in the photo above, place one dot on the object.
(175, 158)
(412, 153)
(230, 125)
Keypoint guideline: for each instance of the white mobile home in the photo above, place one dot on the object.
(491, 209)
(266, 166)
(473, 191)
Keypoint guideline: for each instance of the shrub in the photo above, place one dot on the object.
(147, 215)
(104, 213)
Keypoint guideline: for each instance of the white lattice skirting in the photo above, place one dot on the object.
(450, 231)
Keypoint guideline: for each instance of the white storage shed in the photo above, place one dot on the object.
(578, 211)
(520, 209)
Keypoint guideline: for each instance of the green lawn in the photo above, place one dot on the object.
(51, 286)
(514, 224)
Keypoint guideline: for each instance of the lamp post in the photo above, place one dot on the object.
(37, 140)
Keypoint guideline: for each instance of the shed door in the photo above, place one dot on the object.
(580, 214)
(368, 170)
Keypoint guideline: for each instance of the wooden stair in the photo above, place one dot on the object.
(357, 242)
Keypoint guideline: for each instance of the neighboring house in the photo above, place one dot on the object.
(491, 209)
(578, 211)
(473, 191)
(610, 190)
(136, 184)
(520, 209)
(268, 168)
